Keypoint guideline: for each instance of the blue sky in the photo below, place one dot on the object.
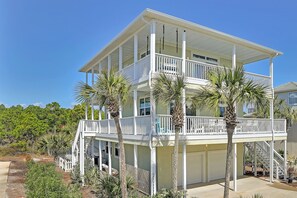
(44, 43)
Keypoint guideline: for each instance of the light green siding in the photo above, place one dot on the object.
(144, 159)
(164, 160)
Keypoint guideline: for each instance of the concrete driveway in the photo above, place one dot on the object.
(4, 168)
(247, 186)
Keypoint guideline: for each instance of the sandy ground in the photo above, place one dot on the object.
(4, 167)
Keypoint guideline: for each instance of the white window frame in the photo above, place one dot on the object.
(295, 97)
(145, 107)
(205, 59)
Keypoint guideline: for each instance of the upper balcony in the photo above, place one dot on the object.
(200, 128)
(196, 72)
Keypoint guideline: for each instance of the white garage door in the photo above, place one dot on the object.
(195, 168)
(216, 164)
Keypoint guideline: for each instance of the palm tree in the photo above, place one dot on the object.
(170, 89)
(109, 90)
(281, 110)
(228, 87)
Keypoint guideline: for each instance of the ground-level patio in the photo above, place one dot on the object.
(247, 186)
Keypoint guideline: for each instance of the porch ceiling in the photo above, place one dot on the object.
(198, 37)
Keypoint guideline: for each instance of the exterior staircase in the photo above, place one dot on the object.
(263, 156)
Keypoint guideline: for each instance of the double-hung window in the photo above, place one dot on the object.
(145, 106)
(293, 98)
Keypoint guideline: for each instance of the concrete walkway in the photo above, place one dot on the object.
(4, 168)
(246, 187)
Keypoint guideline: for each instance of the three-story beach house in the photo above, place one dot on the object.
(159, 43)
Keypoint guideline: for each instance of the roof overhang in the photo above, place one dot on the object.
(147, 15)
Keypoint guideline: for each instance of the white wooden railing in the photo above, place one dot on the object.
(195, 69)
(64, 163)
(216, 125)
(173, 65)
(168, 64)
(194, 125)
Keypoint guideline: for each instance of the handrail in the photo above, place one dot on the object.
(165, 55)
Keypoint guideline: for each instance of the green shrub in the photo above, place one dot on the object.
(43, 181)
(110, 186)
(169, 193)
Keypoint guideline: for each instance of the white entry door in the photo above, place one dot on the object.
(195, 168)
(216, 164)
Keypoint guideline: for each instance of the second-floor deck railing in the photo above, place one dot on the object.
(173, 65)
(195, 125)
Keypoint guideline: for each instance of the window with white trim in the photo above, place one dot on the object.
(145, 106)
(293, 98)
(205, 59)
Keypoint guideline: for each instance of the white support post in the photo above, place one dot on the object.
(82, 154)
(108, 122)
(109, 158)
(153, 45)
(185, 166)
(153, 171)
(184, 129)
(135, 153)
(235, 167)
(233, 68)
(100, 155)
(92, 151)
(135, 55)
(135, 110)
(108, 64)
(285, 160)
(272, 124)
(120, 58)
(92, 104)
(255, 159)
(86, 110)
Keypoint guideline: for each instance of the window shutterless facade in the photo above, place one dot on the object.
(145, 106)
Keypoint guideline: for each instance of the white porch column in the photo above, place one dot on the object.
(255, 160)
(153, 171)
(100, 155)
(235, 167)
(234, 57)
(153, 45)
(108, 122)
(135, 153)
(184, 129)
(135, 110)
(109, 158)
(86, 111)
(285, 160)
(120, 58)
(99, 116)
(233, 68)
(185, 166)
(135, 55)
(272, 123)
(82, 154)
(92, 105)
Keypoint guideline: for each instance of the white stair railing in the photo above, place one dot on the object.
(263, 155)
